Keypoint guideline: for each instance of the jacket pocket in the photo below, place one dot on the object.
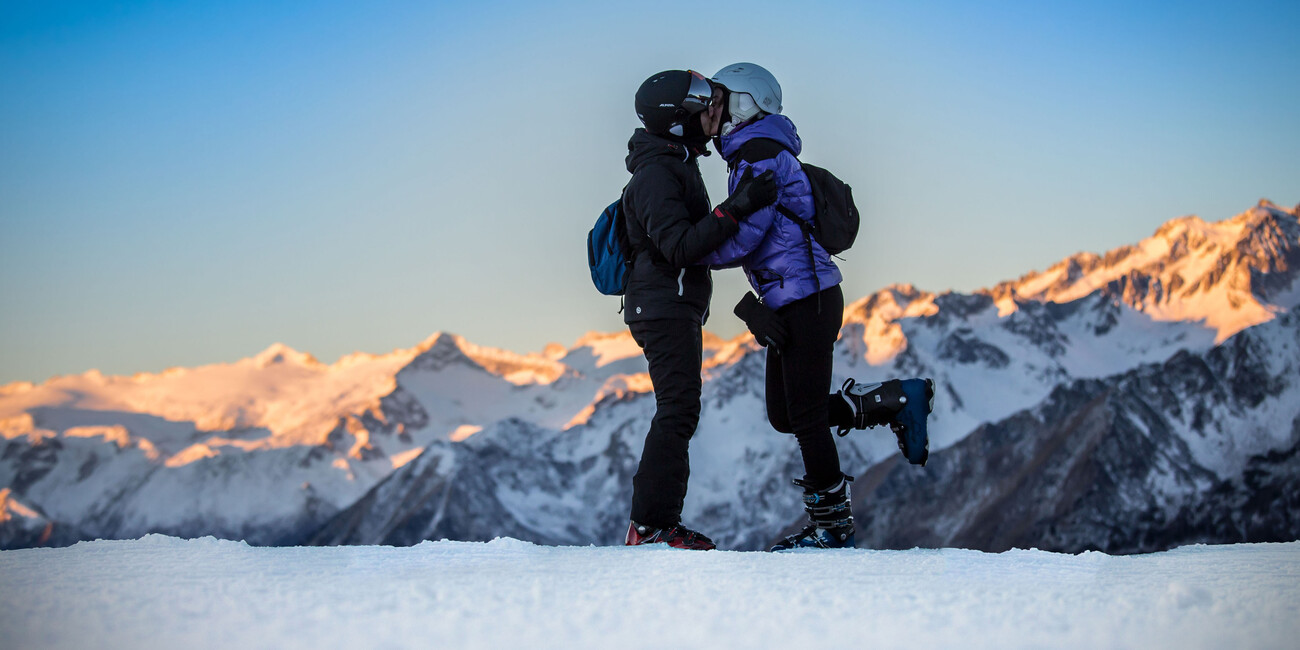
(767, 279)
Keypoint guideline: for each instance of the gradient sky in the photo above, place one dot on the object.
(185, 183)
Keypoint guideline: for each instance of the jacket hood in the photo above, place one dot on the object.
(773, 127)
(645, 146)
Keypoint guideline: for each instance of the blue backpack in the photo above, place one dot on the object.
(608, 251)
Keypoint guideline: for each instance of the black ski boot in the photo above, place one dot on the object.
(903, 404)
(830, 515)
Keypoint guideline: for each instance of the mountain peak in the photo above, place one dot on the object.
(607, 348)
(1229, 274)
(1182, 227)
(279, 353)
(596, 338)
(1266, 216)
(893, 302)
(444, 349)
(439, 338)
(438, 351)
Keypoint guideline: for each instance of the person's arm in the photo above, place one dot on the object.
(658, 202)
(658, 199)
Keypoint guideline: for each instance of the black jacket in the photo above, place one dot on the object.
(671, 226)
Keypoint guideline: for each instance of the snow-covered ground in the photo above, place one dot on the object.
(163, 592)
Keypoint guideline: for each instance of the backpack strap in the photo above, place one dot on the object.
(756, 150)
(630, 253)
(766, 149)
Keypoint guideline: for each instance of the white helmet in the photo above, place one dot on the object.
(764, 93)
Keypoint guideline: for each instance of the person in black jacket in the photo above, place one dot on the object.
(671, 226)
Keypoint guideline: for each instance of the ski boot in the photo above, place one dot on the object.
(830, 516)
(677, 536)
(902, 404)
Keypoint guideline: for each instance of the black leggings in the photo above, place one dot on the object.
(799, 380)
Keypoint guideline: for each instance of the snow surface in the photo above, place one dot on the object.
(160, 592)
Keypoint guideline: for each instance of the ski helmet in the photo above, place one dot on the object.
(751, 89)
(666, 101)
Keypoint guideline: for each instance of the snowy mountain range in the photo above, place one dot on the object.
(1129, 401)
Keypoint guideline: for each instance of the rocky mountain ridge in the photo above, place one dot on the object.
(451, 439)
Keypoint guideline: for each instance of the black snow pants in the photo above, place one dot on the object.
(674, 350)
(799, 380)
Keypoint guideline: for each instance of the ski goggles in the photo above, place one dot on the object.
(698, 95)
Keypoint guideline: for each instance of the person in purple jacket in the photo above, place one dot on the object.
(799, 309)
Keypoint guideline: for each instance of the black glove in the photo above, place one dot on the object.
(752, 193)
(762, 321)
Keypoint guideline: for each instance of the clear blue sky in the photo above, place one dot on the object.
(188, 182)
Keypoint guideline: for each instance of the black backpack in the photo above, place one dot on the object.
(837, 218)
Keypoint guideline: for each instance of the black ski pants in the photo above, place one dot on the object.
(799, 380)
(674, 349)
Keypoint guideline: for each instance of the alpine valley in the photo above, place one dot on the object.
(1126, 402)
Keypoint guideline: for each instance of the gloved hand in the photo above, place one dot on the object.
(752, 193)
(765, 324)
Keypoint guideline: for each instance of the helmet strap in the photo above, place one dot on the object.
(736, 124)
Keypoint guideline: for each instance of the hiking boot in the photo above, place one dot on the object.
(904, 405)
(830, 518)
(677, 536)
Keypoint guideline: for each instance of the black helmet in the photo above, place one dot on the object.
(667, 100)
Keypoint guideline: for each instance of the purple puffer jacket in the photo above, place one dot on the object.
(770, 247)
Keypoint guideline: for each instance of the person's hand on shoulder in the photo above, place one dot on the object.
(752, 194)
